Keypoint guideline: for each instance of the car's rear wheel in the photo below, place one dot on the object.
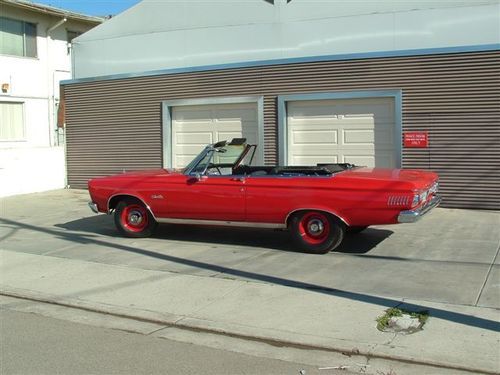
(133, 219)
(316, 232)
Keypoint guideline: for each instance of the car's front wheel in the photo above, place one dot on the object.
(133, 219)
(316, 232)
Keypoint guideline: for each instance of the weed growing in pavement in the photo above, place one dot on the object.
(383, 321)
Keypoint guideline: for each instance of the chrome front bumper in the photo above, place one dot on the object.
(411, 216)
(93, 207)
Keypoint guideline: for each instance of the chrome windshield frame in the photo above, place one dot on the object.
(194, 163)
(188, 171)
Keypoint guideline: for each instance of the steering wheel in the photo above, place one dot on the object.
(214, 168)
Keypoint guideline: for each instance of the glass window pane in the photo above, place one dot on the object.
(72, 35)
(203, 164)
(11, 37)
(30, 35)
(11, 121)
(229, 154)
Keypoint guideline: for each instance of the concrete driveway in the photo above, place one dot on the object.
(450, 256)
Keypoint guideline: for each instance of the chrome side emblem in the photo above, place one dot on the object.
(159, 196)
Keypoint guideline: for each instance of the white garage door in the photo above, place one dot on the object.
(193, 127)
(358, 131)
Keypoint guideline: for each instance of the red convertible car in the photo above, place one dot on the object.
(221, 186)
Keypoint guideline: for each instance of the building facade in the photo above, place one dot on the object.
(310, 82)
(35, 55)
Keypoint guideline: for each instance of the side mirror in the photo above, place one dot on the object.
(194, 178)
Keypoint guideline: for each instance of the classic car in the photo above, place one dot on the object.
(221, 187)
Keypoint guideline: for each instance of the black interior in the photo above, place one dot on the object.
(290, 171)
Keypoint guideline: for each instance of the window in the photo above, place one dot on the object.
(11, 121)
(72, 35)
(17, 38)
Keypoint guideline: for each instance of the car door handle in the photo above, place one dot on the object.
(238, 179)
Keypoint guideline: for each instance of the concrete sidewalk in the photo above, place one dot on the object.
(298, 315)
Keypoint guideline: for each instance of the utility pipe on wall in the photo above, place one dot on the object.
(50, 80)
(56, 25)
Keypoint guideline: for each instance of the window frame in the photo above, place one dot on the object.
(24, 23)
(69, 31)
(23, 105)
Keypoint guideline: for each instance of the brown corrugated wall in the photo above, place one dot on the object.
(115, 125)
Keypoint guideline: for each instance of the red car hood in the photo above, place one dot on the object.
(418, 178)
(144, 173)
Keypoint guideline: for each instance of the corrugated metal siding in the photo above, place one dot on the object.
(116, 124)
(270, 129)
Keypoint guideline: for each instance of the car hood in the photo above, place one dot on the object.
(141, 175)
(420, 179)
(145, 173)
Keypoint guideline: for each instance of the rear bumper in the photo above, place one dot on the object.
(93, 207)
(411, 216)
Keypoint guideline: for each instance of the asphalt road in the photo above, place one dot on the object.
(33, 344)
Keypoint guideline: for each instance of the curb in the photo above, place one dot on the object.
(171, 320)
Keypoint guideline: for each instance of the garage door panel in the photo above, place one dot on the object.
(251, 137)
(362, 160)
(358, 137)
(313, 160)
(371, 107)
(306, 137)
(190, 114)
(234, 125)
(193, 127)
(235, 115)
(311, 111)
(364, 129)
(318, 123)
(320, 151)
(366, 123)
(182, 161)
(195, 138)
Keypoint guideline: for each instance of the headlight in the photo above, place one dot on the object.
(434, 188)
(423, 196)
(416, 199)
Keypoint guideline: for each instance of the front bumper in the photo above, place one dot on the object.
(411, 216)
(93, 207)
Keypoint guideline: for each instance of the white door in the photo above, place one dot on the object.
(358, 131)
(193, 127)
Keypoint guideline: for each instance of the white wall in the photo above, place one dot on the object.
(31, 170)
(157, 35)
(36, 163)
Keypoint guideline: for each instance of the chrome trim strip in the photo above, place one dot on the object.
(315, 209)
(93, 207)
(412, 216)
(292, 60)
(221, 223)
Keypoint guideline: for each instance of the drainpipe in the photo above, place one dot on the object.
(56, 25)
(50, 79)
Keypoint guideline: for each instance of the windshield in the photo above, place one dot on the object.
(220, 157)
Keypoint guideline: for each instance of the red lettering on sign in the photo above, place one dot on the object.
(416, 139)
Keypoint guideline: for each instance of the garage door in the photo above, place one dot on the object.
(358, 131)
(193, 127)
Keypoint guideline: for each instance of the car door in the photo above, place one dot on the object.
(208, 197)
